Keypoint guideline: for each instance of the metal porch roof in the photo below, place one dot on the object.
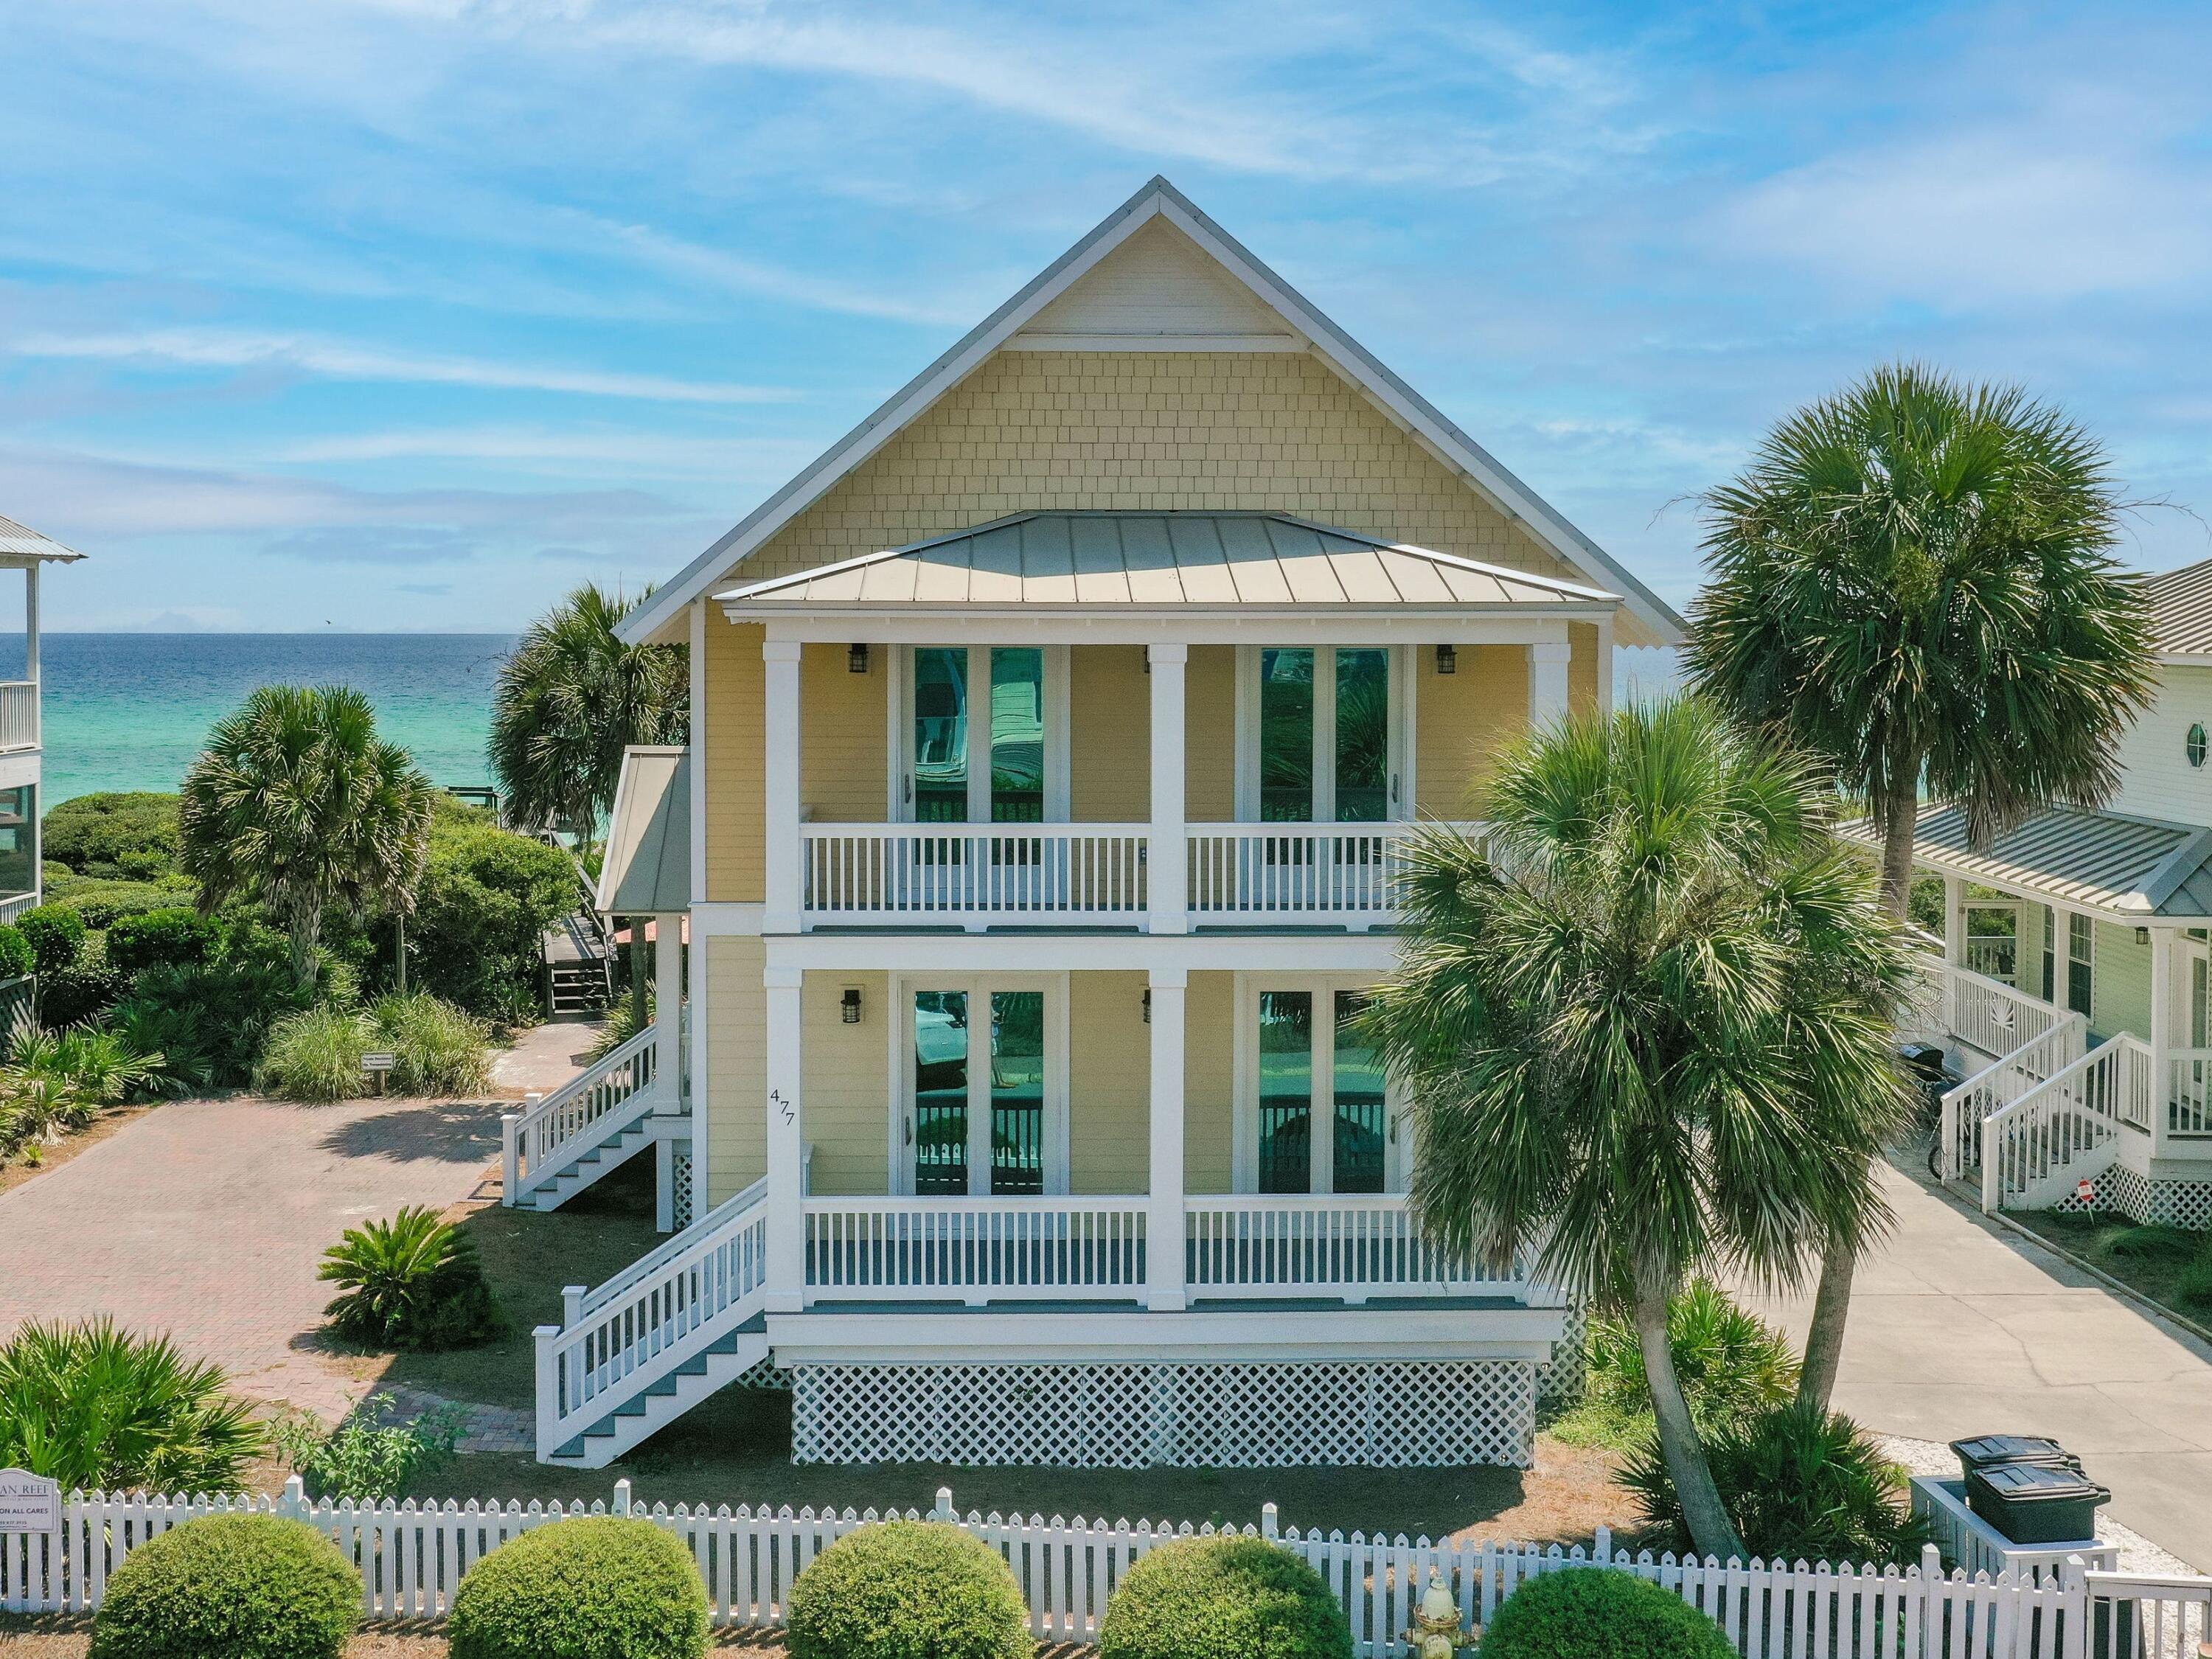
(20, 546)
(646, 868)
(2134, 869)
(1161, 559)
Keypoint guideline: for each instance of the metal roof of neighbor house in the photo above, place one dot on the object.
(647, 869)
(1159, 559)
(2134, 869)
(1646, 619)
(20, 544)
(2181, 609)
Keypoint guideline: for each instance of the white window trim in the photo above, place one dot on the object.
(899, 1107)
(1244, 1163)
(898, 744)
(1400, 679)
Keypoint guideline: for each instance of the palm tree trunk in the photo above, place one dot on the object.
(1898, 809)
(1710, 1529)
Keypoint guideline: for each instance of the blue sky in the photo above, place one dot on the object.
(411, 314)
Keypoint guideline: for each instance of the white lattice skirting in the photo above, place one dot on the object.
(2144, 1201)
(1426, 1414)
(680, 1174)
(1560, 1379)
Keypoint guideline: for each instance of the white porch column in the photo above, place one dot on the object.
(31, 643)
(1163, 1219)
(1548, 681)
(2162, 1033)
(1170, 847)
(1954, 921)
(781, 766)
(1604, 666)
(668, 1010)
(787, 1143)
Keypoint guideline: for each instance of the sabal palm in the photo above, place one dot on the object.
(1642, 1025)
(570, 698)
(1913, 581)
(297, 804)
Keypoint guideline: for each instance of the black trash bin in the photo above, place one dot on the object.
(1983, 1451)
(2036, 1503)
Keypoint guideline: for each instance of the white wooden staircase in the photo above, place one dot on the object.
(594, 1124)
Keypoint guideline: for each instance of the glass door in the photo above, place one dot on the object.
(2189, 1108)
(977, 1122)
(1324, 735)
(943, 785)
(1309, 1050)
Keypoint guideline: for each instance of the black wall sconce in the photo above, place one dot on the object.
(1447, 660)
(856, 659)
(848, 1006)
(1148, 1008)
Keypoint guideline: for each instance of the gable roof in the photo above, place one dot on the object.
(2181, 609)
(1302, 321)
(20, 546)
(1158, 560)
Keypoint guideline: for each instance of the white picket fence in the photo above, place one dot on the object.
(412, 1556)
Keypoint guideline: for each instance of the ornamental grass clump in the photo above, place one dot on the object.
(1598, 1613)
(600, 1587)
(230, 1587)
(436, 1048)
(907, 1589)
(411, 1282)
(315, 1055)
(1222, 1598)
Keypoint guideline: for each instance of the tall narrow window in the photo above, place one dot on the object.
(2080, 963)
(940, 1093)
(1016, 735)
(1286, 737)
(19, 811)
(1363, 736)
(2050, 953)
(1361, 1146)
(1286, 1091)
(1017, 1091)
(940, 735)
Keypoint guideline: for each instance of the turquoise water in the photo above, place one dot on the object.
(130, 711)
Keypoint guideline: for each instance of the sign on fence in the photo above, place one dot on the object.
(29, 1502)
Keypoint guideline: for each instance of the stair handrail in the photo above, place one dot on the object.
(2117, 1048)
(525, 1147)
(675, 1245)
(1960, 1133)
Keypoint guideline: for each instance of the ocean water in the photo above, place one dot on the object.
(130, 711)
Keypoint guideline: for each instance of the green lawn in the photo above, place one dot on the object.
(2155, 1262)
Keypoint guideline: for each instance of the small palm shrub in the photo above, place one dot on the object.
(176, 937)
(1598, 1613)
(101, 1063)
(229, 1001)
(436, 1048)
(411, 1282)
(1799, 1483)
(230, 1587)
(600, 1587)
(621, 1025)
(91, 1406)
(315, 1055)
(56, 935)
(1729, 1361)
(1222, 1598)
(186, 1057)
(905, 1589)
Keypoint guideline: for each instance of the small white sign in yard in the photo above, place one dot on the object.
(29, 1502)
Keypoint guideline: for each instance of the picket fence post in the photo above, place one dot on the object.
(1269, 1521)
(943, 1509)
(294, 1503)
(622, 1496)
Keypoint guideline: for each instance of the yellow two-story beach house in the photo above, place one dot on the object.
(1052, 739)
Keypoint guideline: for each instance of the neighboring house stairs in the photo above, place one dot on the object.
(614, 1109)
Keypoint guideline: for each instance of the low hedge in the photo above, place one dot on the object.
(908, 1590)
(600, 1587)
(1596, 1612)
(177, 936)
(1222, 1598)
(56, 935)
(230, 1587)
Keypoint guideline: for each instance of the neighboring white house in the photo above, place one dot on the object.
(27, 550)
(1052, 739)
(2075, 985)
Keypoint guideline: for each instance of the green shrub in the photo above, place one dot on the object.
(411, 1282)
(176, 937)
(436, 1048)
(366, 1460)
(102, 1065)
(93, 1407)
(482, 909)
(2149, 1243)
(1799, 1484)
(315, 1055)
(84, 990)
(111, 831)
(15, 959)
(227, 1004)
(230, 1587)
(1222, 1598)
(2194, 1284)
(600, 1587)
(100, 900)
(1598, 1612)
(56, 935)
(907, 1589)
(1730, 1362)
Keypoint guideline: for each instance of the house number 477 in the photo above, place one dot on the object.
(775, 1099)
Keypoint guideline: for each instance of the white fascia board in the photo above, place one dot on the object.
(920, 952)
(913, 625)
(19, 767)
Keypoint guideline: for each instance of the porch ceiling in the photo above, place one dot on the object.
(2134, 870)
(1160, 561)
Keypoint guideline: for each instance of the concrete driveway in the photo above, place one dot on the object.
(1959, 1327)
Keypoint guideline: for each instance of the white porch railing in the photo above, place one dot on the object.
(1262, 1245)
(2066, 1128)
(975, 1250)
(598, 1101)
(1345, 872)
(1996, 1085)
(2188, 1091)
(19, 715)
(976, 874)
(1989, 1014)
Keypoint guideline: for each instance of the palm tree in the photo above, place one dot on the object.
(570, 698)
(1913, 581)
(297, 804)
(1642, 1025)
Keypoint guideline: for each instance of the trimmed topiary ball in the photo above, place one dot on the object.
(600, 1587)
(1596, 1612)
(231, 1587)
(908, 1590)
(1222, 1598)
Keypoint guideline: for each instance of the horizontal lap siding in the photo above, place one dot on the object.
(1108, 1084)
(736, 693)
(2157, 781)
(1109, 744)
(1210, 735)
(1463, 718)
(2119, 988)
(842, 770)
(847, 1078)
(1581, 666)
(736, 1134)
(1209, 1085)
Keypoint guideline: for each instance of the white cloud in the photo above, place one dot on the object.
(219, 347)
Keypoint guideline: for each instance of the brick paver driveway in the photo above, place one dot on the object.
(207, 1218)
